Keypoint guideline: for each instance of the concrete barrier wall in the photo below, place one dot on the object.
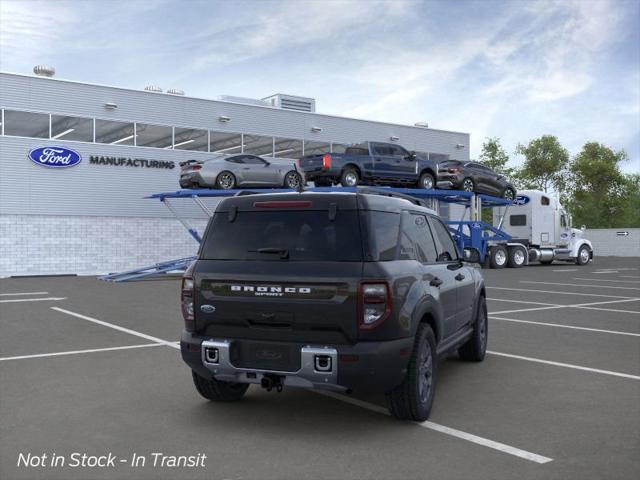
(615, 242)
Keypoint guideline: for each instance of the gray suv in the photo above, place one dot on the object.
(348, 292)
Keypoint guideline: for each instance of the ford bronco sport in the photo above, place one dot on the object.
(359, 291)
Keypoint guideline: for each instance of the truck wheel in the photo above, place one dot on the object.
(413, 398)
(226, 180)
(426, 181)
(517, 257)
(498, 256)
(509, 194)
(583, 255)
(475, 348)
(349, 177)
(217, 391)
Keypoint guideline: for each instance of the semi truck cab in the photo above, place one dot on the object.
(540, 223)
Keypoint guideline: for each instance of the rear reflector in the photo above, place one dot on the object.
(326, 161)
(283, 204)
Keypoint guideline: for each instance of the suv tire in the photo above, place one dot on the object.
(217, 391)
(413, 398)
(475, 348)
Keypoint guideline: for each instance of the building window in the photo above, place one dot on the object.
(316, 148)
(71, 128)
(157, 136)
(225, 143)
(287, 148)
(191, 139)
(258, 145)
(115, 133)
(26, 124)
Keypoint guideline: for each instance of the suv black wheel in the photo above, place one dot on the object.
(413, 398)
(349, 177)
(426, 181)
(292, 180)
(216, 391)
(475, 348)
(226, 180)
(468, 185)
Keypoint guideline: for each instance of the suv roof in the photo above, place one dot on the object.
(361, 200)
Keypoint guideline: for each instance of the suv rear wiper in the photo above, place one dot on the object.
(283, 252)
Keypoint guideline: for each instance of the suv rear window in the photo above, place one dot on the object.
(304, 235)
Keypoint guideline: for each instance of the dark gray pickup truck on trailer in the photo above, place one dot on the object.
(370, 163)
(341, 291)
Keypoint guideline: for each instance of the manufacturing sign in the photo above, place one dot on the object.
(130, 162)
(521, 200)
(55, 157)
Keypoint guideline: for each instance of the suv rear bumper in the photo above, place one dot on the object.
(363, 366)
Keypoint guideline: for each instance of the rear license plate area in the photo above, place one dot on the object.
(282, 357)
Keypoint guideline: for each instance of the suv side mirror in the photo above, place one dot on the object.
(411, 156)
(471, 255)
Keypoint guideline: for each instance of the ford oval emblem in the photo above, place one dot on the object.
(521, 200)
(55, 157)
(207, 308)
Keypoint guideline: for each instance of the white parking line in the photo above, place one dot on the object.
(469, 437)
(576, 305)
(607, 280)
(119, 328)
(605, 272)
(23, 293)
(565, 365)
(76, 352)
(566, 270)
(527, 290)
(47, 299)
(587, 329)
(521, 301)
(629, 276)
(581, 285)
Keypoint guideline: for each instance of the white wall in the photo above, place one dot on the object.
(607, 242)
(83, 245)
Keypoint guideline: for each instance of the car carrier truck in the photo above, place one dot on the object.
(540, 231)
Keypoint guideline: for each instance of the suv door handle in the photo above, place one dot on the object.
(435, 282)
(459, 277)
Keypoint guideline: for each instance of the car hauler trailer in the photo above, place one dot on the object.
(496, 246)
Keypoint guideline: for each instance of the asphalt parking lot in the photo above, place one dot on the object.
(93, 367)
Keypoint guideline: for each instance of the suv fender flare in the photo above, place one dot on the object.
(354, 166)
(431, 313)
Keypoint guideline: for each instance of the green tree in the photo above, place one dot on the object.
(600, 196)
(545, 164)
(630, 215)
(495, 157)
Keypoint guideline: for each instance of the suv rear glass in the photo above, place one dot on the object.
(295, 235)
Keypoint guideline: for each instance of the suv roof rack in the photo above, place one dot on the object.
(389, 193)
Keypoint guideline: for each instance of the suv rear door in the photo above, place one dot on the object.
(439, 281)
(461, 278)
(280, 270)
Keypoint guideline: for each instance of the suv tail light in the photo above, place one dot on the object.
(196, 167)
(326, 161)
(187, 303)
(374, 304)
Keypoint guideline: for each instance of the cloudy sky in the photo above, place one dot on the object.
(513, 69)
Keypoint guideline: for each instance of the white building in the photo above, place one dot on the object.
(92, 218)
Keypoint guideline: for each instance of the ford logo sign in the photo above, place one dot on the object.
(521, 200)
(55, 157)
(207, 308)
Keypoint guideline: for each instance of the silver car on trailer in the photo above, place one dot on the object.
(243, 170)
